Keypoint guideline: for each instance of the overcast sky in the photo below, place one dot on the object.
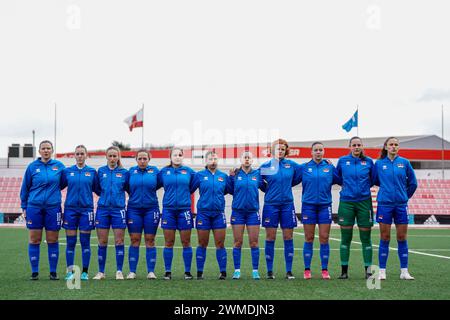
(293, 68)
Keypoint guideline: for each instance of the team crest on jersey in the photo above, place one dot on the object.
(55, 168)
(287, 166)
(150, 171)
(239, 178)
(87, 174)
(363, 163)
(347, 163)
(326, 170)
(38, 170)
(118, 175)
(220, 179)
(72, 174)
(309, 169)
(400, 165)
(254, 178)
(384, 167)
(183, 172)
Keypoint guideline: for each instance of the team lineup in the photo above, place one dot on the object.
(356, 173)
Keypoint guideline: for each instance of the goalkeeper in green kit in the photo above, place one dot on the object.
(355, 203)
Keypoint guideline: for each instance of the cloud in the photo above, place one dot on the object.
(435, 95)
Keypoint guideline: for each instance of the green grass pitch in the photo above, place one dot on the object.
(432, 272)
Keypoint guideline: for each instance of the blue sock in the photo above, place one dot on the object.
(255, 258)
(53, 255)
(403, 253)
(70, 250)
(133, 258)
(120, 255)
(101, 258)
(85, 240)
(324, 255)
(201, 258)
(237, 258)
(288, 254)
(150, 255)
(168, 256)
(383, 253)
(221, 256)
(34, 251)
(269, 251)
(307, 254)
(187, 258)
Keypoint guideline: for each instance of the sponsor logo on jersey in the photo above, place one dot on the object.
(220, 179)
(38, 170)
(87, 174)
(205, 178)
(347, 163)
(55, 168)
(326, 170)
(105, 175)
(135, 171)
(309, 169)
(118, 175)
(239, 178)
(384, 167)
(167, 172)
(72, 174)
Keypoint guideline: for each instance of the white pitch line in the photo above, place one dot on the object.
(391, 248)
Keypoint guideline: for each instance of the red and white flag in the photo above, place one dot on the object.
(136, 120)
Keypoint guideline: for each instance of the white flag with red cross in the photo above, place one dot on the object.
(136, 120)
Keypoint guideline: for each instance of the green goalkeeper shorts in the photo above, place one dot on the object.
(362, 211)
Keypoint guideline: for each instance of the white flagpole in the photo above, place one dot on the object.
(54, 148)
(357, 127)
(142, 125)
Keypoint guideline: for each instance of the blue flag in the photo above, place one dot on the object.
(353, 122)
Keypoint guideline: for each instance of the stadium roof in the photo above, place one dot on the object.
(406, 142)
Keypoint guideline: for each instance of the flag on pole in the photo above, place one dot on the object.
(353, 122)
(136, 120)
